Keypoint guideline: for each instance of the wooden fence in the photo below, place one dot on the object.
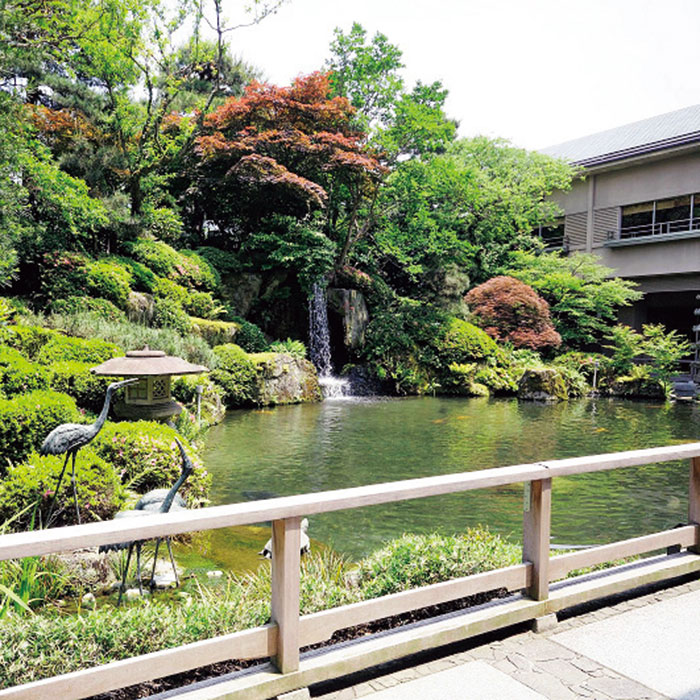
(282, 639)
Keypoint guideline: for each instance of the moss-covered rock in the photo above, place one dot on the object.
(542, 385)
(285, 379)
(637, 388)
(215, 332)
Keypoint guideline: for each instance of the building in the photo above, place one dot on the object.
(637, 207)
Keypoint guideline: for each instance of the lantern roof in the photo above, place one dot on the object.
(146, 363)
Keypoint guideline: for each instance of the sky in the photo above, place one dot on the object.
(536, 72)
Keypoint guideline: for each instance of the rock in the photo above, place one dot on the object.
(89, 600)
(165, 580)
(285, 379)
(215, 332)
(215, 574)
(637, 389)
(133, 593)
(364, 383)
(140, 308)
(350, 304)
(542, 385)
(241, 291)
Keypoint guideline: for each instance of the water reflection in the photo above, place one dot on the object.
(298, 449)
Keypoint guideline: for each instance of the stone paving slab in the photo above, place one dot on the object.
(476, 680)
(657, 645)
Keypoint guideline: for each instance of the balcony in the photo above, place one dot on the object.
(653, 232)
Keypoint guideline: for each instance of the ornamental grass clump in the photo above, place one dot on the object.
(412, 561)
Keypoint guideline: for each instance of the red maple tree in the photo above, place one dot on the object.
(284, 150)
(510, 310)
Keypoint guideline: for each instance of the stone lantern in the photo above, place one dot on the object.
(150, 398)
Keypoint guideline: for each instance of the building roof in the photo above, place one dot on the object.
(646, 136)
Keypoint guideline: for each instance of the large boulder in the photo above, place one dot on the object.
(140, 308)
(285, 379)
(241, 290)
(542, 385)
(351, 305)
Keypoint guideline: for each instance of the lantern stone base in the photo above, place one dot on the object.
(157, 411)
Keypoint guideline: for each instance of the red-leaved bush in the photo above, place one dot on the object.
(508, 309)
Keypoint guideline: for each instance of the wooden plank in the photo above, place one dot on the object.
(617, 460)
(284, 608)
(694, 498)
(336, 662)
(537, 518)
(561, 565)
(40, 542)
(249, 644)
(321, 625)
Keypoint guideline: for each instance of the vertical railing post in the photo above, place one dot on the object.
(286, 541)
(694, 498)
(537, 517)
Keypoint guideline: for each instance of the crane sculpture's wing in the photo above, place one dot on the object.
(69, 436)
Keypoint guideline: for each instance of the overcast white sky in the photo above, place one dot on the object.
(537, 72)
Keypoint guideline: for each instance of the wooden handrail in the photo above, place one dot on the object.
(287, 632)
(62, 539)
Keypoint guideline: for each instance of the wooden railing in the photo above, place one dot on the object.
(282, 639)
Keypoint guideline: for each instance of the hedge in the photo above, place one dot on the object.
(28, 418)
(61, 348)
(76, 379)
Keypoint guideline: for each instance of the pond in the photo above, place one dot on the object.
(289, 450)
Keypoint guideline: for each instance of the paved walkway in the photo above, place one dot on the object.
(643, 648)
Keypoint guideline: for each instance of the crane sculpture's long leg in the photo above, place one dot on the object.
(126, 571)
(55, 493)
(155, 559)
(172, 560)
(75, 492)
(138, 566)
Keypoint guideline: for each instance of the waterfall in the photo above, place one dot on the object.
(320, 346)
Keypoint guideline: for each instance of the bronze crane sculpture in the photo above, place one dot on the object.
(70, 437)
(155, 501)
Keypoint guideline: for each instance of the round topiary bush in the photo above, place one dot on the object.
(18, 375)
(30, 339)
(27, 419)
(170, 315)
(33, 481)
(460, 342)
(62, 348)
(110, 280)
(145, 456)
(236, 375)
(249, 336)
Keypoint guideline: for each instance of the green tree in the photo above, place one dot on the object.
(583, 295)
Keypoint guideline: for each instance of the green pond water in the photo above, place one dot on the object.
(337, 444)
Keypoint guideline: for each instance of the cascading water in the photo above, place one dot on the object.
(320, 346)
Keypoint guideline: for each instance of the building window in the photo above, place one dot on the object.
(662, 216)
(553, 235)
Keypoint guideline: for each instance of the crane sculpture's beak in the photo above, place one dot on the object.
(186, 461)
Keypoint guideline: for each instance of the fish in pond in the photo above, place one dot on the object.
(462, 417)
(600, 430)
(439, 420)
(258, 495)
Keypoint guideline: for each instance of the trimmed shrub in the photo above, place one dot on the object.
(76, 380)
(295, 348)
(200, 271)
(34, 481)
(250, 337)
(170, 315)
(185, 267)
(223, 262)
(510, 310)
(461, 342)
(18, 375)
(236, 375)
(145, 457)
(103, 308)
(64, 348)
(420, 560)
(142, 278)
(164, 288)
(28, 418)
(203, 305)
(109, 280)
(30, 339)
